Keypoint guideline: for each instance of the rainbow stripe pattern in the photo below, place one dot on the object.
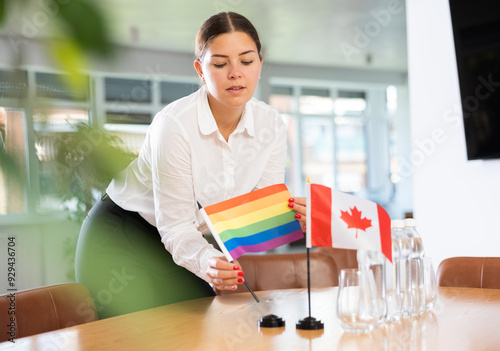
(254, 222)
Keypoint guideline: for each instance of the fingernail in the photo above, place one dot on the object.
(240, 280)
(234, 287)
(290, 205)
(291, 199)
(305, 227)
(241, 274)
(236, 268)
(298, 216)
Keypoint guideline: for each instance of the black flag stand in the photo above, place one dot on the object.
(309, 323)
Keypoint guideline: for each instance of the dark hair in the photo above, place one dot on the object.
(222, 23)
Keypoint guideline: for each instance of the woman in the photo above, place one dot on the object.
(215, 144)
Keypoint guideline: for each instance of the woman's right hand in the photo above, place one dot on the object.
(224, 275)
(298, 204)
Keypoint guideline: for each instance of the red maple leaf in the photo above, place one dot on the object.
(354, 220)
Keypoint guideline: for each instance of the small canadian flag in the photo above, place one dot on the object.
(344, 221)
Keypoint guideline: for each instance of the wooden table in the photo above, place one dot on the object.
(463, 319)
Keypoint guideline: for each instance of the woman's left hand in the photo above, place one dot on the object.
(298, 204)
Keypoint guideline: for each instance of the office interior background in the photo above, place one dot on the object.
(368, 90)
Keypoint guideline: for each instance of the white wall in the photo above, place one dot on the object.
(456, 202)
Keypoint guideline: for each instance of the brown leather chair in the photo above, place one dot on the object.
(343, 258)
(470, 272)
(45, 309)
(286, 271)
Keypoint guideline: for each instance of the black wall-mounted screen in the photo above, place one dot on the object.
(476, 31)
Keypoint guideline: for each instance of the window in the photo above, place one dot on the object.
(132, 136)
(282, 99)
(317, 150)
(395, 171)
(51, 124)
(58, 119)
(128, 118)
(61, 102)
(392, 98)
(315, 102)
(351, 159)
(327, 131)
(171, 91)
(61, 87)
(350, 103)
(292, 168)
(127, 90)
(129, 105)
(13, 84)
(57, 105)
(13, 156)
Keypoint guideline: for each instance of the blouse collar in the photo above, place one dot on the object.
(206, 120)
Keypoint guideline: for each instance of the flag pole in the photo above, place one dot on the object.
(309, 323)
(250, 289)
(308, 282)
(222, 247)
(308, 186)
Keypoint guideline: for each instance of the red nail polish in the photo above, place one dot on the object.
(234, 287)
(298, 216)
(236, 268)
(290, 205)
(240, 280)
(291, 199)
(241, 274)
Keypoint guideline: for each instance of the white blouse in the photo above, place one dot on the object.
(185, 159)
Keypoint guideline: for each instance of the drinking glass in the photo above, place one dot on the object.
(430, 284)
(356, 304)
(380, 291)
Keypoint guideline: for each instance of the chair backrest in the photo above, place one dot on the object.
(287, 271)
(343, 258)
(470, 272)
(45, 309)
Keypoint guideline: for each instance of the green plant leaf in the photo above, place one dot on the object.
(86, 25)
(86, 162)
(70, 57)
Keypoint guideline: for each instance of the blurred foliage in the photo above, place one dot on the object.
(85, 25)
(80, 21)
(78, 30)
(86, 161)
(2, 10)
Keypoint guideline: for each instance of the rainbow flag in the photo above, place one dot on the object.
(254, 222)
